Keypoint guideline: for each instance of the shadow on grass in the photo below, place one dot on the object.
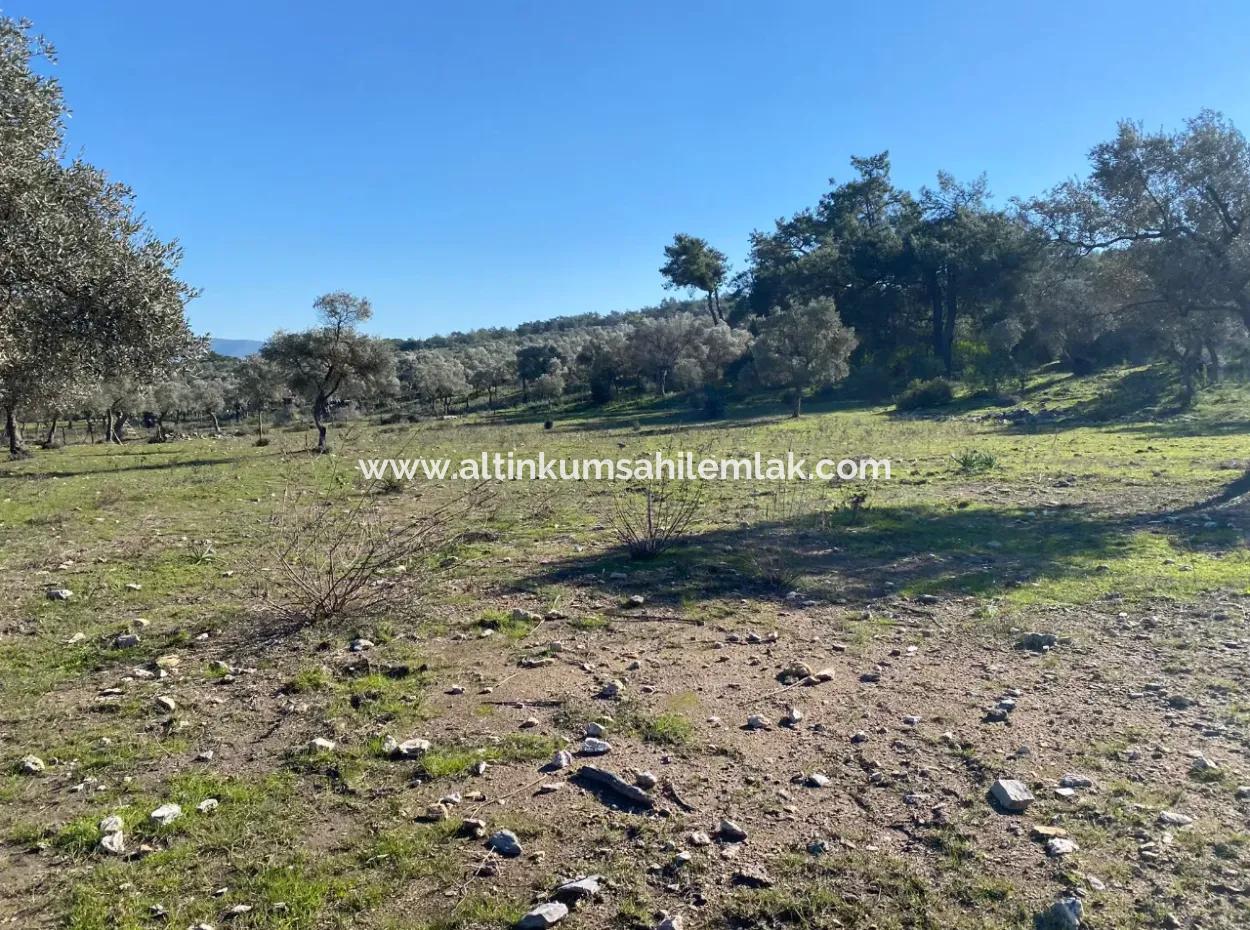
(891, 549)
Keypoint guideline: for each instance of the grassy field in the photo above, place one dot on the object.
(1121, 532)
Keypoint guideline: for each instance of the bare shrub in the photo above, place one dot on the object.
(336, 559)
(652, 517)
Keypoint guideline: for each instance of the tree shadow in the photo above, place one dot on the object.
(930, 549)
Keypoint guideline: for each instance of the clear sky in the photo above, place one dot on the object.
(470, 164)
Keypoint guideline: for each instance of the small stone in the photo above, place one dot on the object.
(437, 812)
(753, 876)
(166, 814)
(646, 780)
(113, 843)
(595, 747)
(671, 922)
(208, 805)
(561, 759)
(321, 744)
(731, 832)
(505, 843)
(473, 827)
(529, 723)
(792, 717)
(1075, 781)
(126, 641)
(1060, 846)
(59, 594)
(550, 787)
(31, 765)
(166, 704)
(410, 749)
(757, 722)
(1012, 795)
(1064, 914)
(1174, 819)
(612, 689)
(817, 780)
(360, 645)
(698, 838)
(579, 889)
(596, 730)
(543, 916)
(1037, 642)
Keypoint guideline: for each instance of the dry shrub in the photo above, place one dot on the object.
(652, 517)
(335, 559)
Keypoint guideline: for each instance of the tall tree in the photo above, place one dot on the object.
(1178, 203)
(87, 292)
(691, 263)
(334, 359)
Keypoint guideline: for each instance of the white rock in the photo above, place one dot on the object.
(321, 744)
(166, 814)
(31, 765)
(208, 805)
(595, 747)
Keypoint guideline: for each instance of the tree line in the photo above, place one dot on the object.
(1144, 258)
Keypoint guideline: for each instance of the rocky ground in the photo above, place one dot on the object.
(556, 734)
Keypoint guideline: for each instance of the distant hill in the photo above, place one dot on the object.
(236, 348)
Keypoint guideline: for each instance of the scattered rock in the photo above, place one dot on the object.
(646, 780)
(561, 759)
(360, 645)
(505, 843)
(166, 814)
(594, 747)
(321, 744)
(579, 889)
(616, 784)
(596, 730)
(208, 805)
(757, 722)
(112, 840)
(31, 765)
(1064, 914)
(126, 641)
(166, 704)
(816, 780)
(752, 876)
(59, 594)
(543, 916)
(1060, 846)
(1011, 795)
(1037, 642)
(671, 922)
(730, 832)
(1174, 819)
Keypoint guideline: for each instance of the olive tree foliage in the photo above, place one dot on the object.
(689, 262)
(434, 376)
(682, 351)
(333, 361)
(489, 369)
(802, 348)
(87, 292)
(1176, 205)
(258, 385)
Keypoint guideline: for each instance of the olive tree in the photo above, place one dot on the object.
(334, 360)
(87, 292)
(803, 347)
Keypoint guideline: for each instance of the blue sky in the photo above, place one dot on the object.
(490, 163)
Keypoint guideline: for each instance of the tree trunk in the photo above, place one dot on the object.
(948, 335)
(798, 403)
(716, 297)
(119, 426)
(935, 298)
(711, 308)
(216, 424)
(1213, 367)
(16, 447)
(50, 440)
(321, 409)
